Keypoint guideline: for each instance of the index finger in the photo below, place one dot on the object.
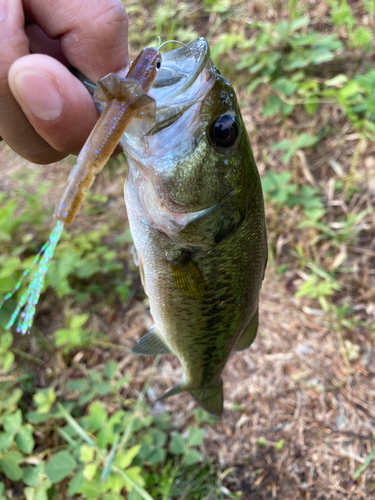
(93, 34)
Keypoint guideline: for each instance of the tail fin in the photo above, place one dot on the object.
(210, 398)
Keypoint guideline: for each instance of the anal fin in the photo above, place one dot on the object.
(249, 334)
(175, 390)
(150, 344)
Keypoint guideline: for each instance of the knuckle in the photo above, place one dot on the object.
(113, 18)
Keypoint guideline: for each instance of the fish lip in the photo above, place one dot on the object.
(179, 70)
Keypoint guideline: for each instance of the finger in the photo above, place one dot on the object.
(40, 43)
(56, 103)
(93, 34)
(14, 126)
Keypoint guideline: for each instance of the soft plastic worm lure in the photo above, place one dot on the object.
(121, 100)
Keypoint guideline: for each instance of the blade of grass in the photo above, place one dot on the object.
(141, 396)
(68, 438)
(80, 431)
(365, 464)
(138, 488)
(108, 465)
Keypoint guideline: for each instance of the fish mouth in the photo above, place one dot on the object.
(185, 76)
(179, 70)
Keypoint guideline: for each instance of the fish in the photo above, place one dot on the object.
(196, 213)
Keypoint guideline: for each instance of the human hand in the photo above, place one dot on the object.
(45, 112)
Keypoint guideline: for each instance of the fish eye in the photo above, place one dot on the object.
(158, 63)
(224, 132)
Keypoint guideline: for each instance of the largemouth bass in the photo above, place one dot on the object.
(196, 214)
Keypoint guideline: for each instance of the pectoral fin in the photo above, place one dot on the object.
(188, 279)
(142, 273)
(249, 334)
(150, 344)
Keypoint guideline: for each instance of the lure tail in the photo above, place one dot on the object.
(27, 304)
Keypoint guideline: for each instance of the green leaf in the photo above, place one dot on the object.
(311, 105)
(89, 471)
(86, 453)
(24, 439)
(134, 477)
(32, 475)
(273, 106)
(299, 23)
(110, 369)
(159, 437)
(87, 397)
(280, 444)
(6, 440)
(30, 493)
(116, 482)
(305, 141)
(97, 416)
(6, 340)
(337, 81)
(37, 418)
(196, 436)
(78, 384)
(192, 457)
(43, 492)
(285, 86)
(177, 446)
(123, 460)
(280, 145)
(134, 495)
(10, 466)
(13, 422)
(7, 361)
(60, 466)
(91, 489)
(78, 321)
(44, 400)
(104, 388)
(156, 456)
(350, 89)
(76, 483)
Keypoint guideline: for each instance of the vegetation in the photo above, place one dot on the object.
(73, 422)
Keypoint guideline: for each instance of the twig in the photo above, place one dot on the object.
(28, 356)
(109, 345)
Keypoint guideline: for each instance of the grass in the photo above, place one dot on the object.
(79, 413)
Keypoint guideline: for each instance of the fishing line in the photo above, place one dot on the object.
(168, 41)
